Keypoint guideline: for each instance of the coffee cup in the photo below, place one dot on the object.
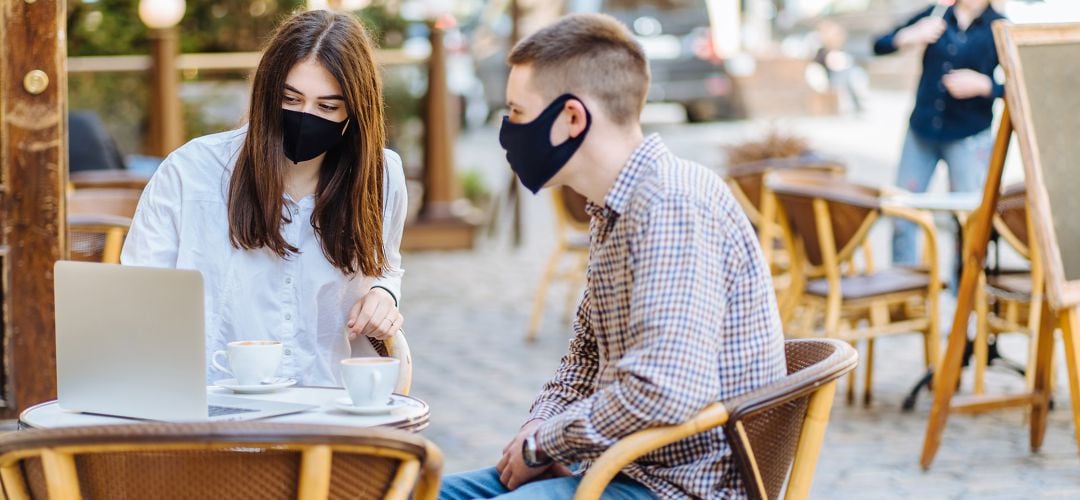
(370, 381)
(251, 362)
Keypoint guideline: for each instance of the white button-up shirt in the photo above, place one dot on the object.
(303, 300)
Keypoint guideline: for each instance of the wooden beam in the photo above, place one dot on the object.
(33, 146)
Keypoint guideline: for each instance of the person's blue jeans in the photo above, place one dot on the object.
(484, 483)
(968, 160)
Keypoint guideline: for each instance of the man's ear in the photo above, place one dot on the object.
(578, 117)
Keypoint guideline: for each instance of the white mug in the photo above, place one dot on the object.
(252, 362)
(370, 381)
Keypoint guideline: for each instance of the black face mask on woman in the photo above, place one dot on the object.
(307, 136)
(528, 145)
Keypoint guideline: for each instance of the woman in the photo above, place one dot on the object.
(294, 219)
(953, 106)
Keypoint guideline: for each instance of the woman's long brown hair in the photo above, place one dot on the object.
(349, 195)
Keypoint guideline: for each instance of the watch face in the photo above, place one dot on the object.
(529, 451)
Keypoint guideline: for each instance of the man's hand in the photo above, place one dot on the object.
(965, 84)
(512, 469)
(924, 32)
(374, 315)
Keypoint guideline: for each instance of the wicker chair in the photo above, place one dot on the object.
(218, 460)
(96, 238)
(1009, 301)
(121, 202)
(829, 219)
(747, 183)
(571, 239)
(773, 430)
(108, 179)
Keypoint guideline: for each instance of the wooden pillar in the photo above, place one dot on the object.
(166, 119)
(33, 173)
(438, 227)
(439, 183)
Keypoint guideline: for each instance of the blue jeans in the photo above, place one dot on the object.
(968, 160)
(484, 483)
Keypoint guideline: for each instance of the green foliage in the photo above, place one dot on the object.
(386, 26)
(113, 27)
(474, 187)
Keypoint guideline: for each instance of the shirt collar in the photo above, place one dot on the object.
(988, 15)
(618, 197)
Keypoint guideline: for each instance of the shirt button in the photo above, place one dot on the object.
(288, 281)
(940, 104)
(288, 317)
(937, 122)
(947, 66)
(961, 37)
(952, 49)
(287, 352)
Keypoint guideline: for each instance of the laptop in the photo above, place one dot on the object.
(130, 343)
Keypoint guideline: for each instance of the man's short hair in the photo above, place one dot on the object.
(592, 54)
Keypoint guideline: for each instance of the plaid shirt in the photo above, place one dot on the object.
(678, 312)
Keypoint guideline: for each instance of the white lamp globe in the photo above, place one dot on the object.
(161, 14)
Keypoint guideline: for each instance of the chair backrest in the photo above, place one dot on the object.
(1011, 217)
(218, 460)
(748, 179)
(103, 201)
(109, 179)
(96, 238)
(765, 426)
(825, 211)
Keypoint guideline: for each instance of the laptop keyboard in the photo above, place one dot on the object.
(218, 411)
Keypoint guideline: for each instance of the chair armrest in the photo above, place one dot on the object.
(925, 221)
(427, 487)
(634, 446)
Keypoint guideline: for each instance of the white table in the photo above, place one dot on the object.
(412, 416)
(956, 203)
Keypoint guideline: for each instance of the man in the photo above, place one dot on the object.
(679, 310)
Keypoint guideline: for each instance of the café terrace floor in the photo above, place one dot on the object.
(467, 312)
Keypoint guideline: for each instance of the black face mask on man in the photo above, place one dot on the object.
(528, 146)
(307, 136)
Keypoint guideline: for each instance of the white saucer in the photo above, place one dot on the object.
(345, 404)
(277, 384)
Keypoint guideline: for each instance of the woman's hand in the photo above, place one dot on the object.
(924, 32)
(965, 84)
(374, 315)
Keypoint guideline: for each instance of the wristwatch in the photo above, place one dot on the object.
(529, 452)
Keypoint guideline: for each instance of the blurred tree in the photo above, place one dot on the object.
(111, 27)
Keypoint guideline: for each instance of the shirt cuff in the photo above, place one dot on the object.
(391, 292)
(997, 91)
(551, 440)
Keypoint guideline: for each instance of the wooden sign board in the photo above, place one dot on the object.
(1042, 79)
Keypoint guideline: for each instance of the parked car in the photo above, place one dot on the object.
(676, 38)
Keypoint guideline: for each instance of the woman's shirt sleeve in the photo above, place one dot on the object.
(396, 202)
(885, 44)
(154, 237)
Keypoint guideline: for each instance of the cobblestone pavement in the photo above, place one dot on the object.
(467, 313)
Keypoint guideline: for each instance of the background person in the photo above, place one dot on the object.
(953, 105)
